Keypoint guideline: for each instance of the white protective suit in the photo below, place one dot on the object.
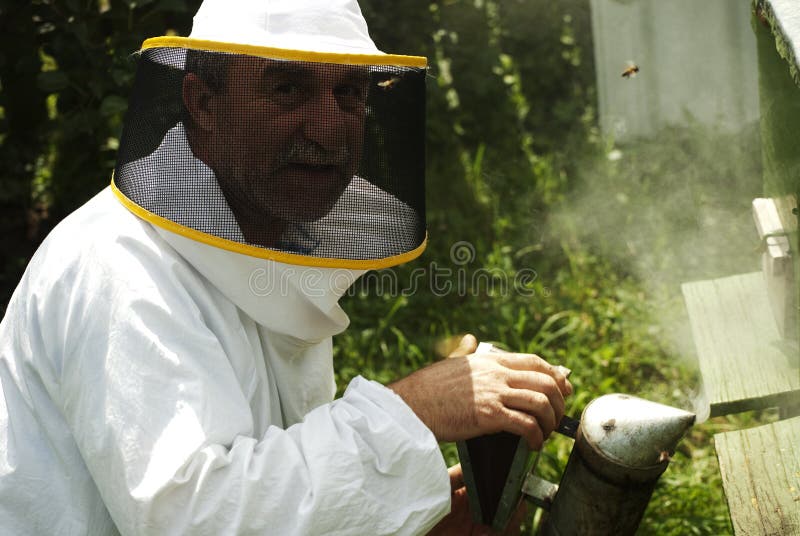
(141, 390)
(150, 384)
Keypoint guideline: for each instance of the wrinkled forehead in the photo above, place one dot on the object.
(256, 68)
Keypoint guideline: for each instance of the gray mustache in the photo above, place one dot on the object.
(312, 154)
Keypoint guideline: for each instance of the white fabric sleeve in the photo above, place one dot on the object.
(166, 431)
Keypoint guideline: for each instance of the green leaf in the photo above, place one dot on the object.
(113, 105)
(52, 81)
(177, 6)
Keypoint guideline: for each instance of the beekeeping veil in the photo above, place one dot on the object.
(278, 130)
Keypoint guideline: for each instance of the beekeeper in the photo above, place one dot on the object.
(166, 361)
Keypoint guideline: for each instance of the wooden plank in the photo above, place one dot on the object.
(779, 109)
(761, 475)
(744, 362)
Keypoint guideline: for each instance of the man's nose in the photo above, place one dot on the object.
(324, 121)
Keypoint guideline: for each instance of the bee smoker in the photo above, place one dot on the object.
(622, 446)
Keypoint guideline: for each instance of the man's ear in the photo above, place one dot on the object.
(197, 97)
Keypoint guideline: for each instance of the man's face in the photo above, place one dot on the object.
(286, 138)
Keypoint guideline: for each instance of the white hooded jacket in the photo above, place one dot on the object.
(138, 397)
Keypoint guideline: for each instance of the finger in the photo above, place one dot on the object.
(456, 477)
(534, 403)
(524, 425)
(467, 345)
(567, 384)
(459, 521)
(541, 383)
(533, 362)
(462, 514)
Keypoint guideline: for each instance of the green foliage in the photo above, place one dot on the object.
(517, 168)
(586, 317)
(65, 74)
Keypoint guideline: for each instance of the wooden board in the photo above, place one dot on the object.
(761, 474)
(744, 362)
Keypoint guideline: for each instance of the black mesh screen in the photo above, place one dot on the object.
(316, 159)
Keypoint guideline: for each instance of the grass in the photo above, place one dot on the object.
(603, 331)
(601, 297)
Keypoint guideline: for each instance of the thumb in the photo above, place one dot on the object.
(456, 477)
(466, 346)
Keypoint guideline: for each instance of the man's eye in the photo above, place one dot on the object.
(350, 96)
(286, 89)
(286, 94)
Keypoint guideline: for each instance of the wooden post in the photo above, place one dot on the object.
(779, 99)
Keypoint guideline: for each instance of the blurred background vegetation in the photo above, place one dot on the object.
(517, 168)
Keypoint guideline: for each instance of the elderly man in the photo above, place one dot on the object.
(155, 380)
(315, 115)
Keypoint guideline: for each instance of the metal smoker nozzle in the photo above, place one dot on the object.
(633, 431)
(622, 446)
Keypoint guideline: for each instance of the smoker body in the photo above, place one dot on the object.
(622, 447)
(597, 507)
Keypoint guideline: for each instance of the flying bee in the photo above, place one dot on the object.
(630, 71)
(389, 83)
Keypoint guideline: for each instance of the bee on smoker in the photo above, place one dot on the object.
(389, 83)
(630, 71)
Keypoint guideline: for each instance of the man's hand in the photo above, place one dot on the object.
(459, 521)
(478, 394)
